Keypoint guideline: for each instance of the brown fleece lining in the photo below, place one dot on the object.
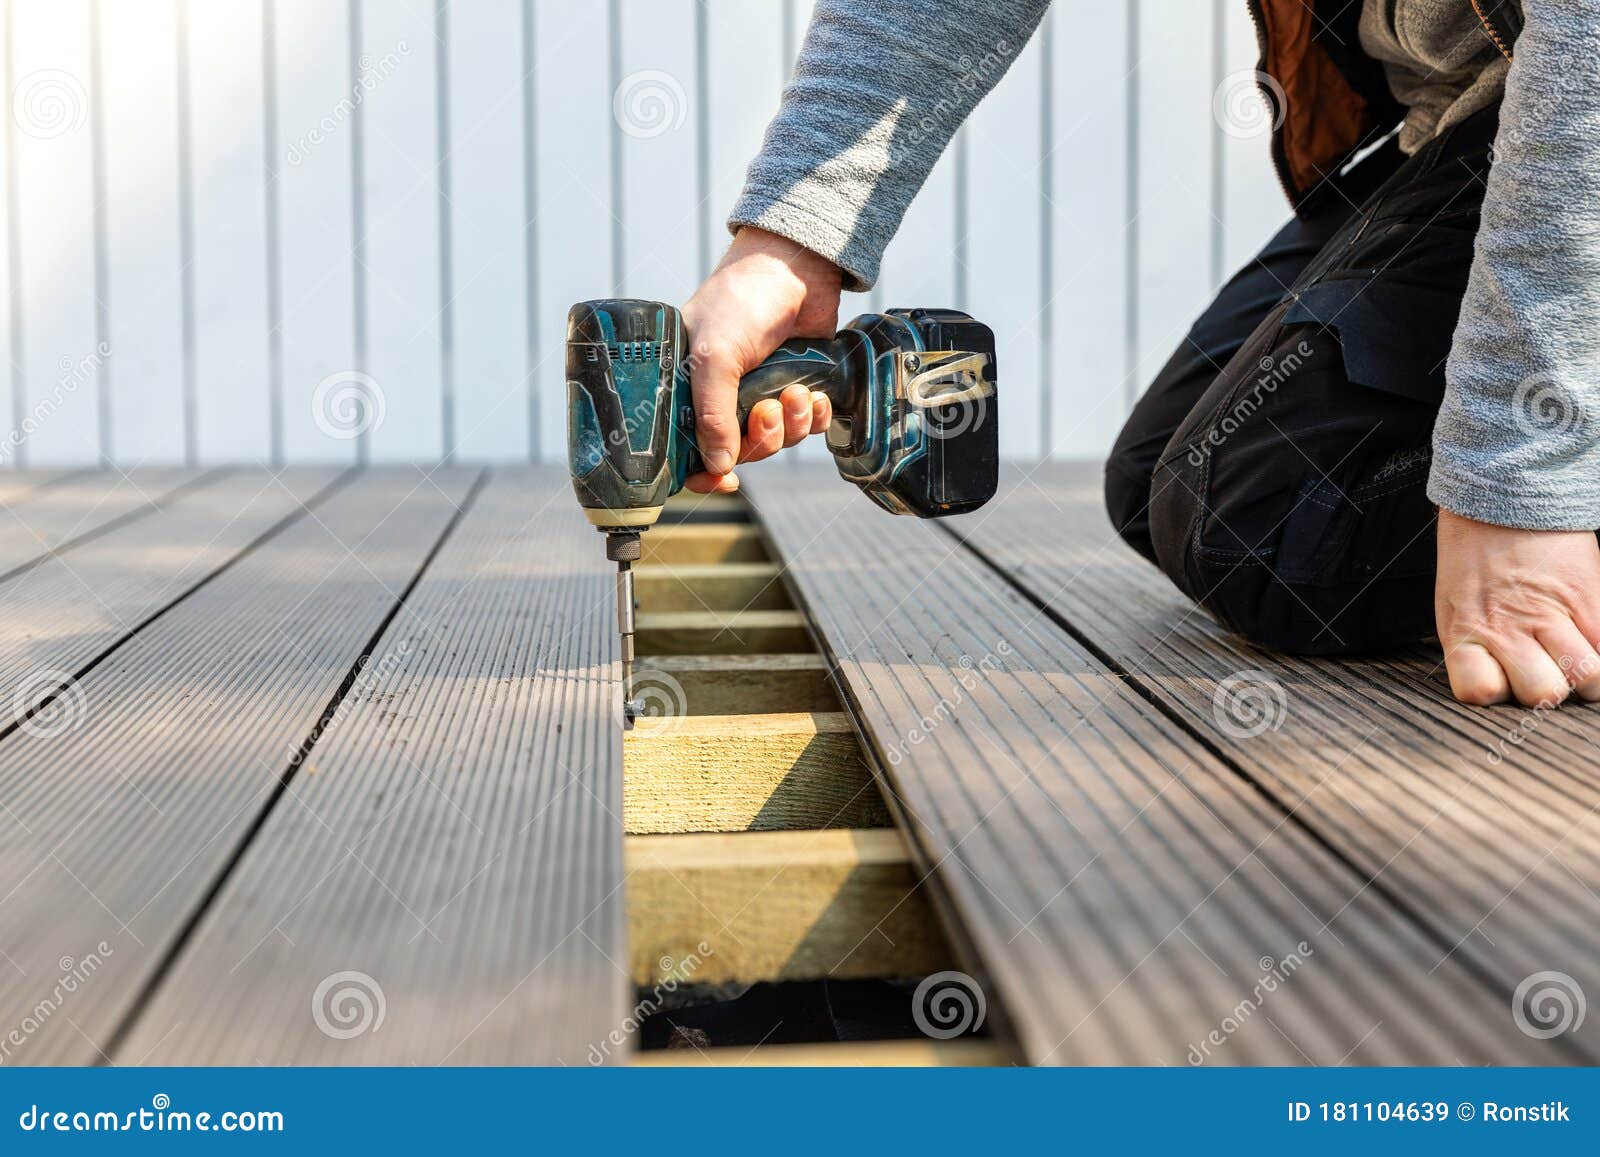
(1325, 118)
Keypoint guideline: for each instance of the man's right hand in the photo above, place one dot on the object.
(765, 290)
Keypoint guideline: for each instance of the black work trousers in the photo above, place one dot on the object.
(1276, 469)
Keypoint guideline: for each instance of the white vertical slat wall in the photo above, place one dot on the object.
(302, 230)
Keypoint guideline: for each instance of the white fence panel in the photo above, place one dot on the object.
(298, 198)
(53, 170)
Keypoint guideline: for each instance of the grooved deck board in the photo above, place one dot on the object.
(121, 813)
(1122, 894)
(1482, 820)
(20, 485)
(454, 833)
(68, 610)
(48, 517)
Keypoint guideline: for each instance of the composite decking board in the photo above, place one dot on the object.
(1120, 888)
(19, 485)
(76, 508)
(1481, 823)
(121, 815)
(455, 835)
(63, 613)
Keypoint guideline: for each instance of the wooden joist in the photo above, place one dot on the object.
(691, 542)
(839, 905)
(736, 684)
(728, 586)
(732, 773)
(894, 1054)
(721, 632)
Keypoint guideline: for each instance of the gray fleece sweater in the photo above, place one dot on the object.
(882, 85)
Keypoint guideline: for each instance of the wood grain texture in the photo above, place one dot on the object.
(125, 806)
(673, 544)
(731, 586)
(1482, 822)
(735, 773)
(720, 632)
(1124, 896)
(777, 906)
(734, 684)
(454, 834)
(71, 609)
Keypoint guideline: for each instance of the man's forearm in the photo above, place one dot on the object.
(1517, 442)
(879, 89)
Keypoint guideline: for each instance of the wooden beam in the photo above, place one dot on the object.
(692, 542)
(894, 1054)
(736, 684)
(778, 906)
(685, 506)
(721, 632)
(711, 586)
(734, 773)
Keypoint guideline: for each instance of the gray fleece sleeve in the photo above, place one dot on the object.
(879, 89)
(1517, 442)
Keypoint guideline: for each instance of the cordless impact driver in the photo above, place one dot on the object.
(914, 423)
